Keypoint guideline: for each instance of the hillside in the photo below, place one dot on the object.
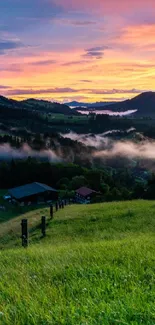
(96, 266)
(38, 105)
(9, 102)
(49, 107)
(143, 103)
(76, 104)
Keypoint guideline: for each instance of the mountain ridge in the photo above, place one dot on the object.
(38, 105)
(143, 103)
(75, 104)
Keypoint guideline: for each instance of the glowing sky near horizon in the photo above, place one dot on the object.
(85, 50)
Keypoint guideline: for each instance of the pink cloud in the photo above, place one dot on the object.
(110, 6)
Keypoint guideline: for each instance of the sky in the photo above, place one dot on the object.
(85, 50)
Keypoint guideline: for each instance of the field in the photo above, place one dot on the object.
(71, 119)
(96, 266)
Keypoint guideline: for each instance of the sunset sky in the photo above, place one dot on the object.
(85, 50)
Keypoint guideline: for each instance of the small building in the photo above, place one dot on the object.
(33, 193)
(85, 195)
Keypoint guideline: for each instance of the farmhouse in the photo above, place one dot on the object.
(33, 193)
(85, 195)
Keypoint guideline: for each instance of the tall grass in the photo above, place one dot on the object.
(96, 266)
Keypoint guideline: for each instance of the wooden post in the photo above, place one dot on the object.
(56, 206)
(24, 237)
(51, 211)
(43, 226)
(60, 206)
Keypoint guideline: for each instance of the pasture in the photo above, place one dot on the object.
(95, 266)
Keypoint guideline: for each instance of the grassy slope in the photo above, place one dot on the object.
(96, 266)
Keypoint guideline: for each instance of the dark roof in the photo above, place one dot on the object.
(85, 191)
(29, 189)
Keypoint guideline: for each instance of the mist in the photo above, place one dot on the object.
(94, 140)
(108, 150)
(101, 149)
(8, 153)
(129, 149)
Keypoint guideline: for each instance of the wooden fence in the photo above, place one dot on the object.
(24, 223)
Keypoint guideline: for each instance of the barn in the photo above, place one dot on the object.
(85, 195)
(33, 193)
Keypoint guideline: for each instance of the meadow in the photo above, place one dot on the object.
(95, 266)
(71, 119)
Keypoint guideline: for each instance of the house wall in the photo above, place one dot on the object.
(85, 198)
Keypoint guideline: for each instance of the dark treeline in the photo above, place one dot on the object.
(113, 184)
(31, 117)
(65, 148)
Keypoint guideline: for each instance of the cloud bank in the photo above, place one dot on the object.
(8, 153)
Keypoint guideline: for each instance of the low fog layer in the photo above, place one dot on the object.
(129, 149)
(108, 148)
(94, 140)
(102, 148)
(7, 153)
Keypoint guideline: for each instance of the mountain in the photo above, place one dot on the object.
(36, 105)
(76, 104)
(143, 103)
(9, 102)
(48, 107)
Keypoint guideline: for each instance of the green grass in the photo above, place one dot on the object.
(95, 267)
(66, 118)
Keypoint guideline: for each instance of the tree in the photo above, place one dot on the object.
(115, 194)
(63, 183)
(94, 177)
(77, 182)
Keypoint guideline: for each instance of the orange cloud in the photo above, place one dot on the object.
(118, 55)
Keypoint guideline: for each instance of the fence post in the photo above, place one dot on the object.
(60, 205)
(51, 211)
(24, 237)
(43, 226)
(56, 206)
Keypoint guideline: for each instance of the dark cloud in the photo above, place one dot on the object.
(67, 64)
(6, 45)
(43, 62)
(116, 91)
(5, 87)
(34, 91)
(97, 48)
(95, 52)
(113, 99)
(83, 23)
(85, 80)
(78, 23)
(40, 91)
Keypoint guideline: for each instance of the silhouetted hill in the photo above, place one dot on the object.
(143, 103)
(36, 105)
(88, 105)
(9, 102)
(49, 107)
